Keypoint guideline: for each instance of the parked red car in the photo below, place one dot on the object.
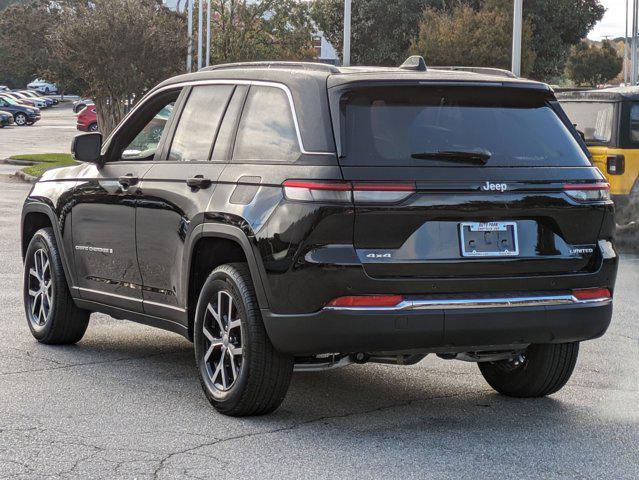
(87, 119)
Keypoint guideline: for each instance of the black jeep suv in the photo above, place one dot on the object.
(301, 216)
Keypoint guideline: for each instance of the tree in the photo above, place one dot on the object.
(557, 25)
(22, 41)
(263, 30)
(119, 49)
(381, 30)
(468, 37)
(592, 65)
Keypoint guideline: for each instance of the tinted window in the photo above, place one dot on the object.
(266, 130)
(634, 122)
(145, 143)
(391, 126)
(594, 119)
(199, 122)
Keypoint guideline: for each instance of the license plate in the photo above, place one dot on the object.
(489, 239)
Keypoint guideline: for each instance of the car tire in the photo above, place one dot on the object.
(228, 330)
(20, 119)
(52, 315)
(541, 370)
(93, 127)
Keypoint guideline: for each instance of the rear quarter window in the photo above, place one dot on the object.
(267, 130)
(388, 126)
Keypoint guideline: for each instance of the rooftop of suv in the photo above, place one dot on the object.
(288, 71)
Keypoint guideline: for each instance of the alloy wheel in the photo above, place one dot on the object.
(222, 330)
(40, 289)
(20, 119)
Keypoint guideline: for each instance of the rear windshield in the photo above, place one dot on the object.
(417, 126)
(594, 119)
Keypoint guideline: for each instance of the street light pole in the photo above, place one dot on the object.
(346, 55)
(625, 49)
(633, 45)
(189, 55)
(517, 27)
(208, 32)
(199, 35)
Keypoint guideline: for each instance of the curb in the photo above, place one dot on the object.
(24, 163)
(25, 177)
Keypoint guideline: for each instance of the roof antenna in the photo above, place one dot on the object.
(415, 62)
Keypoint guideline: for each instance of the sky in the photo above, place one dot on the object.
(612, 24)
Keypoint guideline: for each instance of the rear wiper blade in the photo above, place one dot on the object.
(457, 156)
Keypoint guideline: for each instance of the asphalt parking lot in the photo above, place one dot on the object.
(55, 131)
(125, 403)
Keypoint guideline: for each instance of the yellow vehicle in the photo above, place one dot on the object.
(608, 119)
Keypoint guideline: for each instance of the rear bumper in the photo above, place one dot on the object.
(436, 329)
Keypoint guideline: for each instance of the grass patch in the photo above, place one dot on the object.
(46, 161)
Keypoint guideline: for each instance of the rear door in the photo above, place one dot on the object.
(466, 182)
(176, 191)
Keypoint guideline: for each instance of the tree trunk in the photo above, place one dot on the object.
(110, 111)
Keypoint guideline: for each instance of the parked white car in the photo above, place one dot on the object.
(42, 86)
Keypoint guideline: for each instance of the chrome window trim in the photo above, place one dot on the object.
(194, 83)
(465, 303)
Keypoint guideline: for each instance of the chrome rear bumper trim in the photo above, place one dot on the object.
(461, 303)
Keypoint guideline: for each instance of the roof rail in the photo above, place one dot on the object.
(497, 72)
(315, 66)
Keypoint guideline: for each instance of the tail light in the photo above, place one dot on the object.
(317, 191)
(588, 192)
(346, 192)
(591, 294)
(367, 301)
(615, 164)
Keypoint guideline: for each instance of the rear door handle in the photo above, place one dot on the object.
(198, 182)
(128, 180)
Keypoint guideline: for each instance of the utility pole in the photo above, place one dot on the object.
(633, 44)
(208, 32)
(625, 49)
(199, 34)
(189, 55)
(517, 25)
(346, 55)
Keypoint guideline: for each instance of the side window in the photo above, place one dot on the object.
(148, 134)
(266, 131)
(634, 123)
(199, 123)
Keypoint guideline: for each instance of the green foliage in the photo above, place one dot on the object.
(6, 3)
(381, 30)
(117, 48)
(593, 65)
(468, 37)
(557, 25)
(46, 161)
(263, 30)
(22, 47)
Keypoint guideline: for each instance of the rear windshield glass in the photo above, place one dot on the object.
(418, 126)
(594, 119)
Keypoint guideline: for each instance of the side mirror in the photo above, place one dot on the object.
(86, 147)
